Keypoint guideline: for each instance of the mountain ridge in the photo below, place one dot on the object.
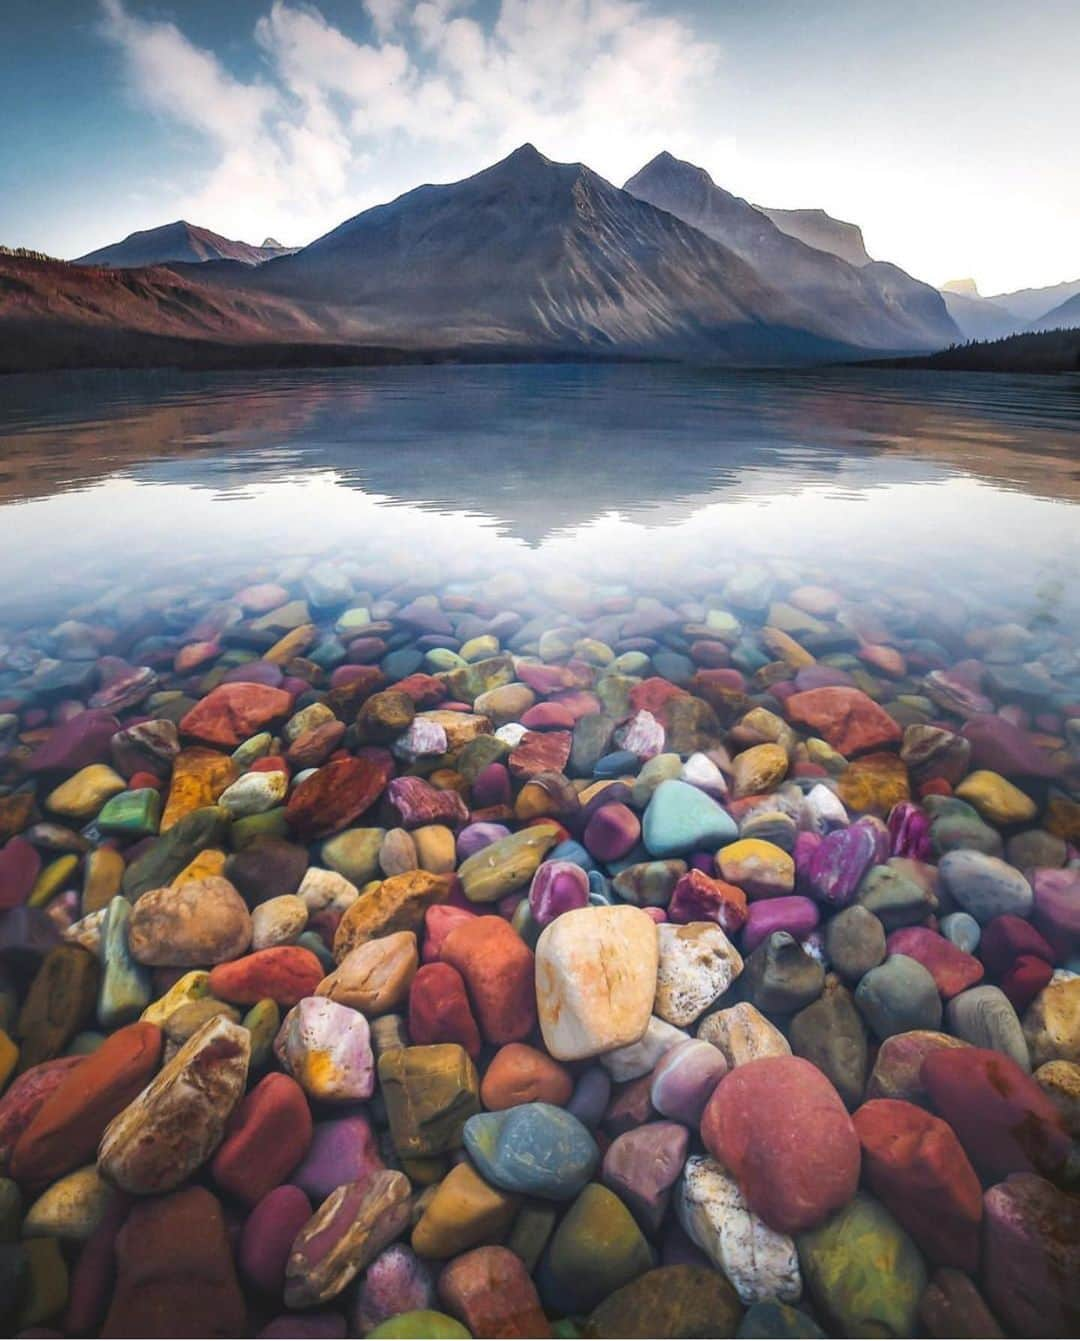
(178, 241)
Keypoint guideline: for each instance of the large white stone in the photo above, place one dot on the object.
(697, 965)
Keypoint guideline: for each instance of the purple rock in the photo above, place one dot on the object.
(19, 867)
(684, 1079)
(642, 1166)
(909, 831)
(557, 887)
(268, 1235)
(1057, 907)
(611, 832)
(1004, 748)
(362, 650)
(127, 686)
(343, 1150)
(396, 1282)
(419, 803)
(836, 869)
(1031, 1256)
(591, 1096)
(492, 787)
(475, 837)
(678, 1249)
(703, 861)
(424, 737)
(79, 741)
(26, 937)
(791, 912)
(803, 853)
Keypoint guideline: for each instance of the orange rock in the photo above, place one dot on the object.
(231, 713)
(847, 718)
(518, 1074)
(66, 1130)
(283, 973)
(498, 970)
(198, 778)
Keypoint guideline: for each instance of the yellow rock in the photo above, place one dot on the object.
(760, 868)
(460, 727)
(292, 644)
(821, 752)
(397, 903)
(9, 1058)
(1062, 818)
(783, 646)
(759, 769)
(192, 986)
(1052, 1022)
(208, 863)
(58, 875)
(288, 616)
(874, 784)
(996, 798)
(463, 1213)
(1060, 1081)
(436, 848)
(595, 980)
(102, 874)
(85, 792)
(199, 777)
(46, 1289)
(70, 1208)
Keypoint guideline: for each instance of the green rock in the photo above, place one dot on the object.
(531, 1231)
(507, 864)
(670, 1301)
(474, 757)
(954, 825)
(613, 691)
(899, 893)
(591, 741)
(649, 884)
(46, 1288)
(255, 747)
(134, 814)
(443, 659)
(352, 622)
(422, 1323)
(262, 1022)
(84, 1043)
(654, 771)
(271, 823)
(467, 683)
(175, 849)
(635, 664)
(430, 1093)
(597, 1249)
(355, 854)
(863, 1272)
(126, 986)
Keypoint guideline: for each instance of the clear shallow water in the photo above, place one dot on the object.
(969, 484)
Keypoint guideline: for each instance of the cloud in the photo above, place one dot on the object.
(336, 121)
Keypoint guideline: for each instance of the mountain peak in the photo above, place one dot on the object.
(665, 166)
(968, 287)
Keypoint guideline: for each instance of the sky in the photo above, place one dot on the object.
(948, 129)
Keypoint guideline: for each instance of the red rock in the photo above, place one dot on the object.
(913, 1163)
(491, 1292)
(439, 921)
(1005, 938)
(653, 693)
(951, 968)
(1031, 1258)
(424, 690)
(1005, 1121)
(349, 694)
(335, 795)
(231, 713)
(439, 1010)
(25, 1097)
(175, 1273)
(66, 1129)
(951, 1307)
(897, 1072)
(419, 803)
(267, 1137)
(518, 1074)
(19, 867)
(314, 747)
(548, 717)
(782, 1130)
(698, 897)
(1024, 980)
(577, 702)
(284, 973)
(848, 719)
(81, 740)
(540, 752)
(267, 1239)
(140, 781)
(498, 969)
(272, 763)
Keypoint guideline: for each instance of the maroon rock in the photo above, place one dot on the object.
(1004, 939)
(19, 867)
(541, 752)
(548, 717)
(952, 970)
(1003, 748)
(1005, 1121)
(630, 1106)
(1031, 1259)
(951, 1307)
(81, 740)
(611, 832)
(439, 1010)
(93, 1275)
(419, 803)
(268, 1236)
(782, 1130)
(267, 1136)
(342, 1150)
(335, 795)
(913, 1163)
(1024, 980)
(698, 897)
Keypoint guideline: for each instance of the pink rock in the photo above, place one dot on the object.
(342, 1150)
(268, 1235)
(953, 971)
(642, 1166)
(1003, 748)
(419, 803)
(548, 717)
(792, 913)
(1057, 908)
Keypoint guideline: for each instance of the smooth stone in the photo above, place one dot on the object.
(198, 923)
(985, 886)
(962, 930)
(507, 864)
(649, 884)
(126, 985)
(762, 869)
(681, 819)
(60, 1001)
(758, 1261)
(684, 1079)
(900, 893)
(278, 921)
(953, 971)
(841, 860)
(831, 1034)
(854, 942)
(267, 1237)
(534, 1149)
(897, 997)
(669, 1301)
(499, 971)
(984, 1016)
(490, 1291)
(70, 1209)
(420, 1325)
(780, 977)
(596, 1249)
(267, 1137)
(792, 913)
(326, 1047)
(463, 1212)
(375, 977)
(430, 1093)
(638, 1059)
(642, 1167)
(771, 1321)
(897, 1072)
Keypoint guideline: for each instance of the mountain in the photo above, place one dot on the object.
(979, 318)
(1065, 315)
(536, 254)
(965, 288)
(875, 305)
(179, 241)
(1030, 304)
(57, 314)
(821, 230)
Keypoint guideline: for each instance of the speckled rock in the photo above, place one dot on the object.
(326, 1047)
(192, 925)
(697, 964)
(743, 1035)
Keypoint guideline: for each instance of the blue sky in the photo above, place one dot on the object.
(948, 130)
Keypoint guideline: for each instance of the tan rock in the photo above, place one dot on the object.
(697, 965)
(1060, 1081)
(436, 848)
(463, 1212)
(743, 1034)
(191, 925)
(395, 904)
(375, 977)
(595, 980)
(70, 1208)
(278, 921)
(1052, 1022)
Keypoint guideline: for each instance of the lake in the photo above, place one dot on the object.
(743, 707)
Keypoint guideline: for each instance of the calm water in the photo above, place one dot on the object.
(968, 485)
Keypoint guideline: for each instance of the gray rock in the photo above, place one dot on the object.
(984, 886)
(898, 996)
(985, 1016)
(854, 942)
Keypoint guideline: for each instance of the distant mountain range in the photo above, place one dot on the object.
(527, 258)
(1004, 314)
(180, 241)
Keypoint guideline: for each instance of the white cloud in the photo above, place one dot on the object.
(337, 123)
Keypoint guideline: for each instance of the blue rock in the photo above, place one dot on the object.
(404, 661)
(616, 765)
(962, 929)
(768, 1318)
(681, 819)
(985, 886)
(535, 1149)
(572, 851)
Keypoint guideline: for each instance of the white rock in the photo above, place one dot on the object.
(321, 888)
(512, 733)
(638, 1059)
(254, 794)
(697, 965)
(700, 771)
(759, 1262)
(822, 810)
